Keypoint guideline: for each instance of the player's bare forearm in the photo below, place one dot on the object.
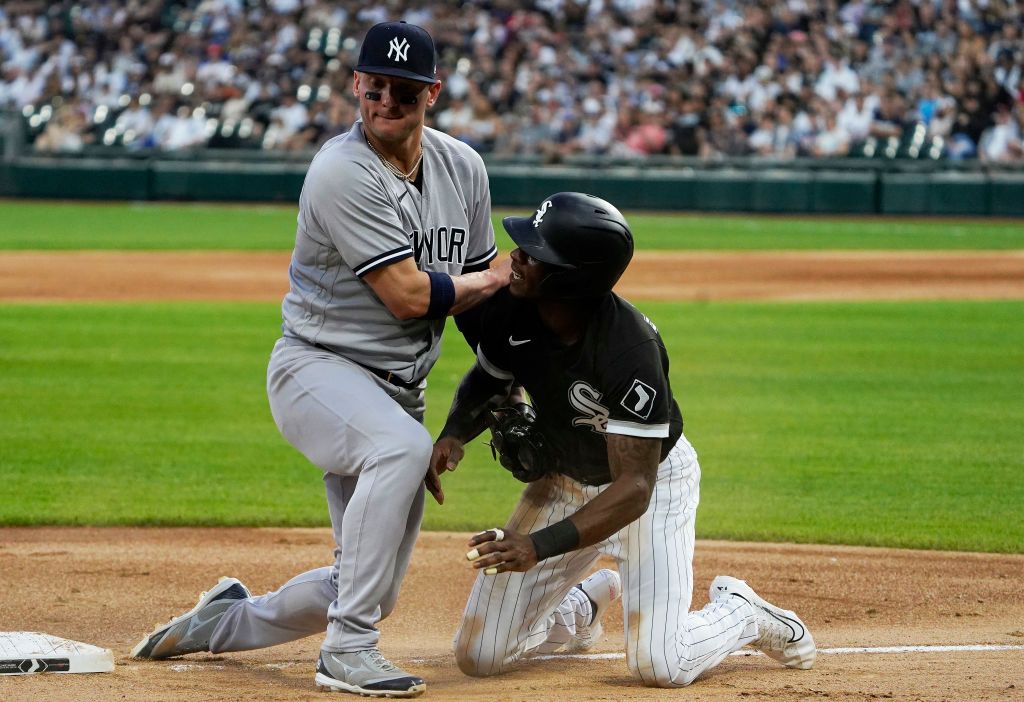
(470, 411)
(466, 419)
(634, 468)
(407, 291)
(473, 288)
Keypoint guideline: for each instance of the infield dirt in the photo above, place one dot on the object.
(30, 276)
(109, 586)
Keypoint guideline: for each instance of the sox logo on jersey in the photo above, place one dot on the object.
(586, 399)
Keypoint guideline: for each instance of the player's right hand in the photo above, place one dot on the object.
(446, 455)
(433, 484)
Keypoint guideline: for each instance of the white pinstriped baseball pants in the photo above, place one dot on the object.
(511, 616)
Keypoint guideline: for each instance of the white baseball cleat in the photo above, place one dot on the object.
(190, 632)
(602, 588)
(780, 633)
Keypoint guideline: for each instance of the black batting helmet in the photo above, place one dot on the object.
(583, 238)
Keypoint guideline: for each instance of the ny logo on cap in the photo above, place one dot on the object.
(400, 49)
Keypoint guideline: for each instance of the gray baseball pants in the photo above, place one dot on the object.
(367, 436)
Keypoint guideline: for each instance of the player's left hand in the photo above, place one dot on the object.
(513, 552)
(501, 269)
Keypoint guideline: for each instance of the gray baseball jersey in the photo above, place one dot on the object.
(363, 432)
(355, 217)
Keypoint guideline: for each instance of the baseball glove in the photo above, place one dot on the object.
(517, 443)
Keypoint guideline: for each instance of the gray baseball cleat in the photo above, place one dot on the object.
(366, 673)
(780, 633)
(602, 588)
(191, 631)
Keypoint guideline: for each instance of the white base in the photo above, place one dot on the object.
(26, 652)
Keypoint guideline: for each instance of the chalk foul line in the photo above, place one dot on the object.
(182, 668)
(827, 651)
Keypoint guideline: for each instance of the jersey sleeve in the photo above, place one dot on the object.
(639, 400)
(351, 204)
(481, 230)
(491, 353)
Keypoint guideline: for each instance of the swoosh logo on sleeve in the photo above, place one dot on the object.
(518, 342)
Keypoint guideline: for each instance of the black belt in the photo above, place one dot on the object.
(386, 376)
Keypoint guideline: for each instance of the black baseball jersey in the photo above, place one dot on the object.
(613, 381)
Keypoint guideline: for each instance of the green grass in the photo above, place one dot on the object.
(893, 424)
(151, 226)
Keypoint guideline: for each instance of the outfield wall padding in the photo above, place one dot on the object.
(80, 179)
(1006, 194)
(178, 180)
(844, 192)
(774, 189)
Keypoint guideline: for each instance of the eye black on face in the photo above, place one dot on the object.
(403, 92)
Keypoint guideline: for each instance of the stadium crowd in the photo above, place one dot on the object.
(624, 78)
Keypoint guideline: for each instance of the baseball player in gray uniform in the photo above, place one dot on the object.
(608, 468)
(394, 234)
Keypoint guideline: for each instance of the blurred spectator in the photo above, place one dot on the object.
(774, 136)
(338, 117)
(888, 119)
(483, 127)
(645, 135)
(530, 133)
(1002, 141)
(763, 91)
(66, 132)
(187, 130)
(596, 131)
(930, 101)
(971, 121)
(686, 128)
(832, 141)
(135, 123)
(724, 139)
(163, 119)
(941, 123)
(455, 118)
(836, 75)
(857, 115)
(290, 116)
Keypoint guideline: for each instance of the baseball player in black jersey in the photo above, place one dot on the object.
(611, 471)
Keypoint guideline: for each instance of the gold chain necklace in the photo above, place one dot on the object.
(393, 168)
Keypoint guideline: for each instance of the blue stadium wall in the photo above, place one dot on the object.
(722, 189)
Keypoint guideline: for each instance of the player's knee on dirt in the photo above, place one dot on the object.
(478, 664)
(651, 668)
(474, 659)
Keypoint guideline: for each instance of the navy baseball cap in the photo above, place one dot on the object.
(398, 49)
